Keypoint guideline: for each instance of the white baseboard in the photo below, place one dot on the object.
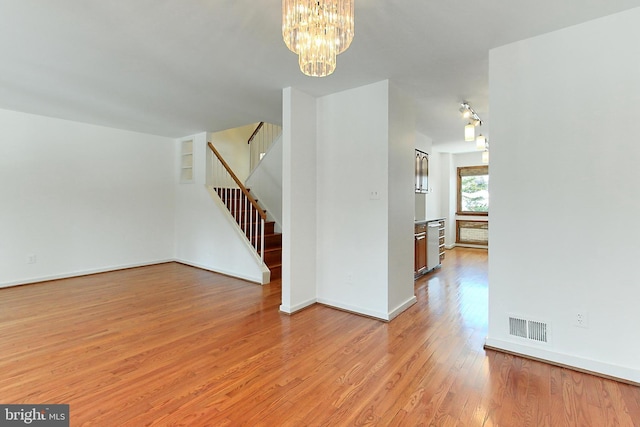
(468, 245)
(402, 307)
(257, 280)
(264, 277)
(81, 273)
(581, 364)
(297, 307)
(351, 308)
(354, 309)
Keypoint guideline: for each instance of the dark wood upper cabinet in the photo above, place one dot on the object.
(422, 172)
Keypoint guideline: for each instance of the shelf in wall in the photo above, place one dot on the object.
(186, 161)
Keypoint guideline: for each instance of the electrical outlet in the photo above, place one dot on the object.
(374, 195)
(581, 319)
(31, 259)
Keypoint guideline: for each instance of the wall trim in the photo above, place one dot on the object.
(265, 275)
(350, 309)
(402, 307)
(468, 245)
(607, 370)
(354, 309)
(222, 271)
(287, 309)
(81, 273)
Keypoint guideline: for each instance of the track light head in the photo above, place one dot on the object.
(465, 110)
(469, 132)
(474, 120)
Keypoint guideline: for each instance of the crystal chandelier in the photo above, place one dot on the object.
(317, 30)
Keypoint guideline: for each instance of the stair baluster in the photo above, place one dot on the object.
(246, 211)
(242, 206)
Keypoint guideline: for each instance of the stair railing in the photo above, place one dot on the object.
(242, 206)
(260, 141)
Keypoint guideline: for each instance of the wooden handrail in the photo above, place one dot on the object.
(244, 190)
(255, 132)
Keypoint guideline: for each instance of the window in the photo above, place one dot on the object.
(473, 190)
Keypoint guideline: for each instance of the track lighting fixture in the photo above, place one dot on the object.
(469, 113)
(474, 120)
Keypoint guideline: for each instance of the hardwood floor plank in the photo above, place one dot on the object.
(540, 382)
(631, 399)
(172, 345)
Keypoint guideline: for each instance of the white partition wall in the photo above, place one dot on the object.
(266, 182)
(298, 200)
(353, 129)
(348, 201)
(400, 184)
(564, 175)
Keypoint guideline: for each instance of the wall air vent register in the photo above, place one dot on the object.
(529, 329)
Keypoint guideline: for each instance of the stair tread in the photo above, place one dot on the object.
(265, 235)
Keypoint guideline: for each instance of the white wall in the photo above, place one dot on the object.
(447, 195)
(564, 171)
(433, 198)
(401, 144)
(81, 198)
(234, 149)
(206, 235)
(298, 200)
(365, 201)
(265, 183)
(352, 227)
(424, 143)
(348, 200)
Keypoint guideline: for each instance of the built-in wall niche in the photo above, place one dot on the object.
(186, 161)
(422, 172)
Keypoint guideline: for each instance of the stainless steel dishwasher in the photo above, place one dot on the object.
(433, 245)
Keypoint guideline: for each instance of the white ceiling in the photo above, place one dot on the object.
(174, 68)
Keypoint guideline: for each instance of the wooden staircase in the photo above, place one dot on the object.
(273, 250)
(272, 256)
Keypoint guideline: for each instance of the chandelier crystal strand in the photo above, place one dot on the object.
(317, 31)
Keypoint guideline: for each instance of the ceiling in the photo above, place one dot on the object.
(175, 68)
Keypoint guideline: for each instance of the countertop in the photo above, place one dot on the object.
(424, 221)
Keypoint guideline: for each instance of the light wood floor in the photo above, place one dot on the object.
(174, 345)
